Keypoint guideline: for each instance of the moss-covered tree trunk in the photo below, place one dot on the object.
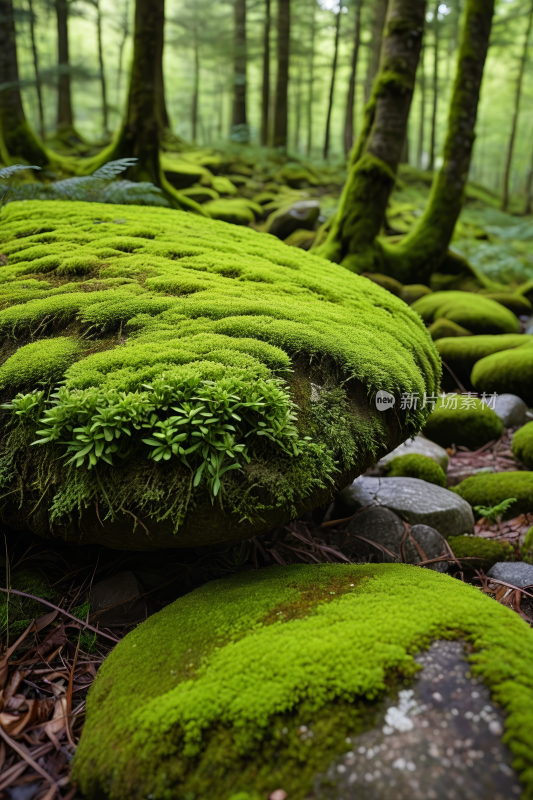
(18, 142)
(38, 84)
(65, 118)
(103, 83)
(353, 238)
(422, 118)
(239, 123)
(265, 88)
(332, 83)
(281, 108)
(379, 14)
(350, 99)
(433, 140)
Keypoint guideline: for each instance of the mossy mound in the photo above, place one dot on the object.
(444, 328)
(204, 699)
(416, 466)
(385, 281)
(223, 382)
(522, 445)
(462, 421)
(476, 313)
(236, 212)
(460, 354)
(491, 489)
(526, 290)
(414, 291)
(481, 553)
(506, 372)
(516, 303)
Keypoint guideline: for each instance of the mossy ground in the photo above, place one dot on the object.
(522, 444)
(454, 421)
(140, 293)
(490, 489)
(416, 466)
(236, 666)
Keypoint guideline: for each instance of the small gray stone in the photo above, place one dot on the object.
(413, 500)
(511, 409)
(529, 327)
(421, 446)
(117, 601)
(432, 544)
(516, 572)
(285, 221)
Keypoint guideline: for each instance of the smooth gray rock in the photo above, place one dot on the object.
(511, 409)
(516, 572)
(431, 542)
(421, 446)
(302, 214)
(117, 601)
(413, 500)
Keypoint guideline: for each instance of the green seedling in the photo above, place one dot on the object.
(493, 513)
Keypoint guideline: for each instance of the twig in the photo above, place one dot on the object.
(22, 753)
(456, 379)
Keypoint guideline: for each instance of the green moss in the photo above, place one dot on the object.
(462, 353)
(390, 284)
(413, 292)
(416, 466)
(490, 489)
(476, 313)
(16, 612)
(527, 547)
(522, 445)
(526, 290)
(40, 362)
(223, 185)
(462, 421)
(214, 708)
(514, 302)
(487, 552)
(510, 371)
(237, 211)
(444, 328)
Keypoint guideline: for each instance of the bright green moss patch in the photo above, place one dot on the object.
(514, 302)
(457, 420)
(237, 665)
(510, 371)
(474, 312)
(490, 489)
(41, 362)
(416, 466)
(522, 445)
(442, 328)
(462, 353)
(485, 552)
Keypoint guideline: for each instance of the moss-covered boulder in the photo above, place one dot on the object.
(414, 291)
(522, 445)
(236, 211)
(385, 281)
(183, 381)
(491, 489)
(480, 553)
(460, 354)
(464, 421)
(474, 312)
(506, 372)
(416, 466)
(205, 699)
(444, 328)
(516, 303)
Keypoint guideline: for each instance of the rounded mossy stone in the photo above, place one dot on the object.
(491, 489)
(444, 328)
(516, 303)
(522, 445)
(480, 553)
(506, 372)
(385, 281)
(229, 210)
(223, 678)
(176, 299)
(527, 547)
(416, 466)
(476, 313)
(414, 291)
(42, 362)
(470, 423)
(526, 290)
(461, 353)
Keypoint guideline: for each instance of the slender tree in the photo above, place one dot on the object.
(516, 112)
(528, 208)
(35, 54)
(378, 21)
(353, 237)
(17, 139)
(298, 105)
(162, 111)
(436, 31)
(422, 120)
(265, 89)
(311, 80)
(125, 32)
(196, 85)
(282, 82)
(332, 82)
(350, 99)
(65, 119)
(239, 123)
(101, 70)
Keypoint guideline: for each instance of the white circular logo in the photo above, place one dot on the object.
(384, 400)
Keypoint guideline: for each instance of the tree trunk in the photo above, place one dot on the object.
(378, 22)
(431, 164)
(375, 157)
(103, 86)
(239, 124)
(298, 107)
(350, 100)
(196, 89)
(18, 142)
(422, 122)
(311, 82)
(516, 111)
(282, 81)
(65, 119)
(126, 33)
(528, 208)
(265, 90)
(162, 112)
(332, 84)
(38, 85)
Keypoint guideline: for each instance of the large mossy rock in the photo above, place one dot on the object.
(476, 313)
(214, 382)
(491, 489)
(461, 353)
(506, 372)
(522, 445)
(465, 421)
(208, 697)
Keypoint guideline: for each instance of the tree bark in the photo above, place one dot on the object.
(282, 82)
(18, 142)
(528, 208)
(265, 90)
(239, 123)
(350, 100)
(332, 84)
(125, 34)
(311, 82)
(375, 158)
(103, 85)
(422, 121)
(298, 115)
(162, 112)
(516, 112)
(38, 85)
(378, 22)
(64, 100)
(196, 89)
(431, 164)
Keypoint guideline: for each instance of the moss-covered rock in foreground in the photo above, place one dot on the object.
(215, 382)
(204, 699)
